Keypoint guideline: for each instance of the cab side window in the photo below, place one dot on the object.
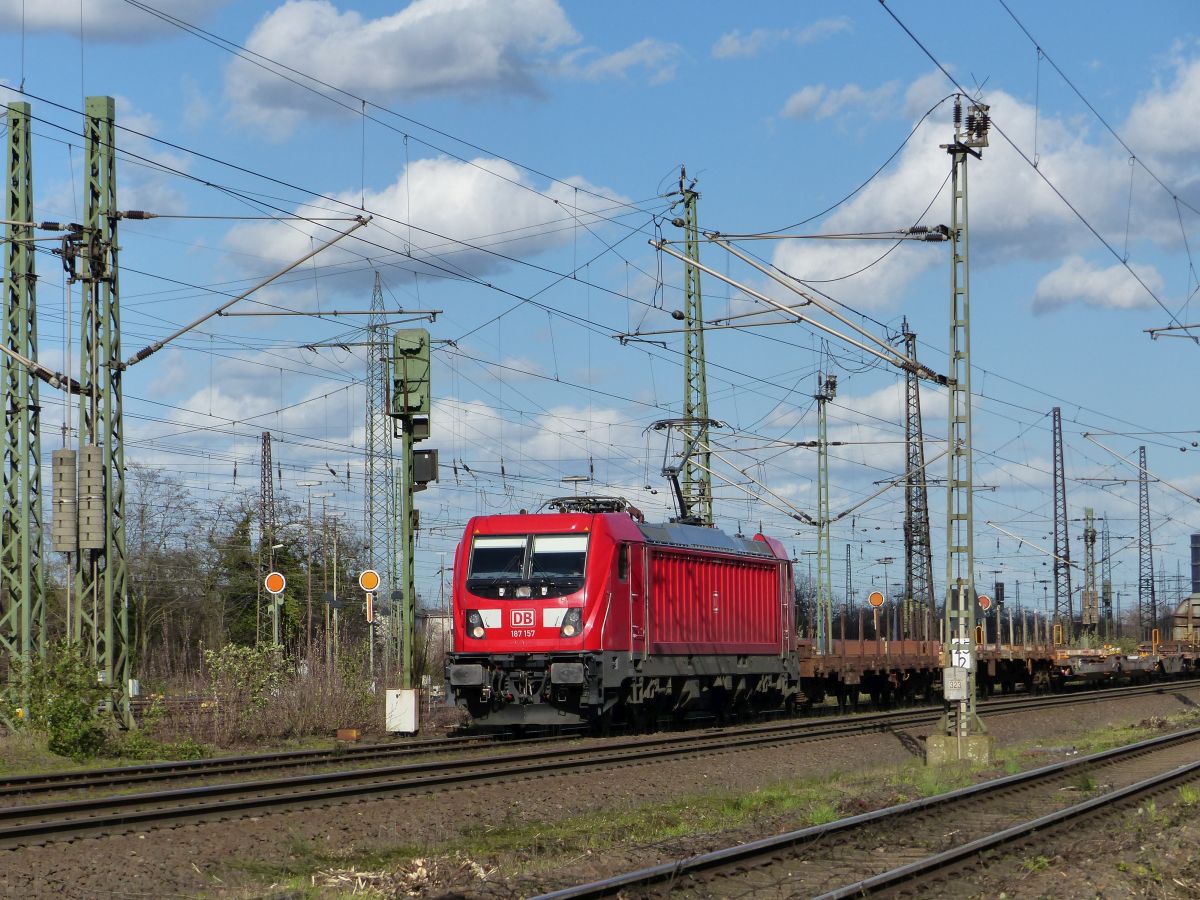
(623, 562)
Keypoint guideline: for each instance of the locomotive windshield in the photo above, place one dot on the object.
(544, 565)
(498, 557)
(558, 556)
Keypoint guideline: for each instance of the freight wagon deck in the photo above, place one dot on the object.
(905, 670)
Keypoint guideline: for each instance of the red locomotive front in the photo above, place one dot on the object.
(582, 615)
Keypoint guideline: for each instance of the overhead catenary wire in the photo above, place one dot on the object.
(576, 386)
(1042, 175)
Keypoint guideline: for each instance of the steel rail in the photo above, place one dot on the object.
(115, 776)
(44, 822)
(825, 726)
(956, 855)
(751, 855)
(19, 824)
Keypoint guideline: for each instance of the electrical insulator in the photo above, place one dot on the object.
(957, 113)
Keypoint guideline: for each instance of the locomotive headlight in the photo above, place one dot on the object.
(475, 624)
(572, 623)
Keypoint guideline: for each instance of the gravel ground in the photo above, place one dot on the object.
(1149, 852)
(239, 858)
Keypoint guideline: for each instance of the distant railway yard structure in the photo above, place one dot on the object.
(386, 516)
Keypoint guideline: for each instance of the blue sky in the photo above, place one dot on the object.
(515, 154)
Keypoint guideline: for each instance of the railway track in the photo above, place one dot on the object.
(905, 848)
(122, 776)
(114, 813)
(16, 788)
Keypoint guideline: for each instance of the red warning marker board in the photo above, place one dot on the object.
(275, 583)
(985, 602)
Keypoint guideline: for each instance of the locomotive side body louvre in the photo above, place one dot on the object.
(708, 604)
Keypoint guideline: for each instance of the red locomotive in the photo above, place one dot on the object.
(589, 613)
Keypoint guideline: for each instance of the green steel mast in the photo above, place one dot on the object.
(22, 578)
(411, 405)
(696, 481)
(826, 393)
(961, 720)
(1090, 601)
(101, 620)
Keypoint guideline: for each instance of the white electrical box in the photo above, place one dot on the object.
(401, 711)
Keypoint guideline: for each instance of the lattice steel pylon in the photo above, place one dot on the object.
(918, 548)
(960, 719)
(101, 620)
(695, 479)
(826, 391)
(1064, 611)
(22, 578)
(379, 504)
(1147, 605)
(1106, 579)
(1089, 604)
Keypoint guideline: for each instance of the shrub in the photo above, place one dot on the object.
(258, 694)
(241, 680)
(60, 696)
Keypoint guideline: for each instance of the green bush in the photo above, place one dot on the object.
(136, 744)
(242, 680)
(60, 696)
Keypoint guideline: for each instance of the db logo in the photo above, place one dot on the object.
(522, 618)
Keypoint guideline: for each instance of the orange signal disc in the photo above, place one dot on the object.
(368, 580)
(985, 602)
(875, 598)
(275, 582)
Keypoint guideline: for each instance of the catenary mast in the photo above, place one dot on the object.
(695, 480)
(22, 578)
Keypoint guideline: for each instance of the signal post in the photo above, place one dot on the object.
(410, 408)
(368, 582)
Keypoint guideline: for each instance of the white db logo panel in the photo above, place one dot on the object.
(523, 618)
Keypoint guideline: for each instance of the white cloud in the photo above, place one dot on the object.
(485, 202)
(430, 47)
(145, 187)
(1014, 214)
(804, 102)
(658, 58)
(821, 102)
(142, 185)
(924, 92)
(1077, 281)
(112, 20)
(1160, 124)
(734, 44)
